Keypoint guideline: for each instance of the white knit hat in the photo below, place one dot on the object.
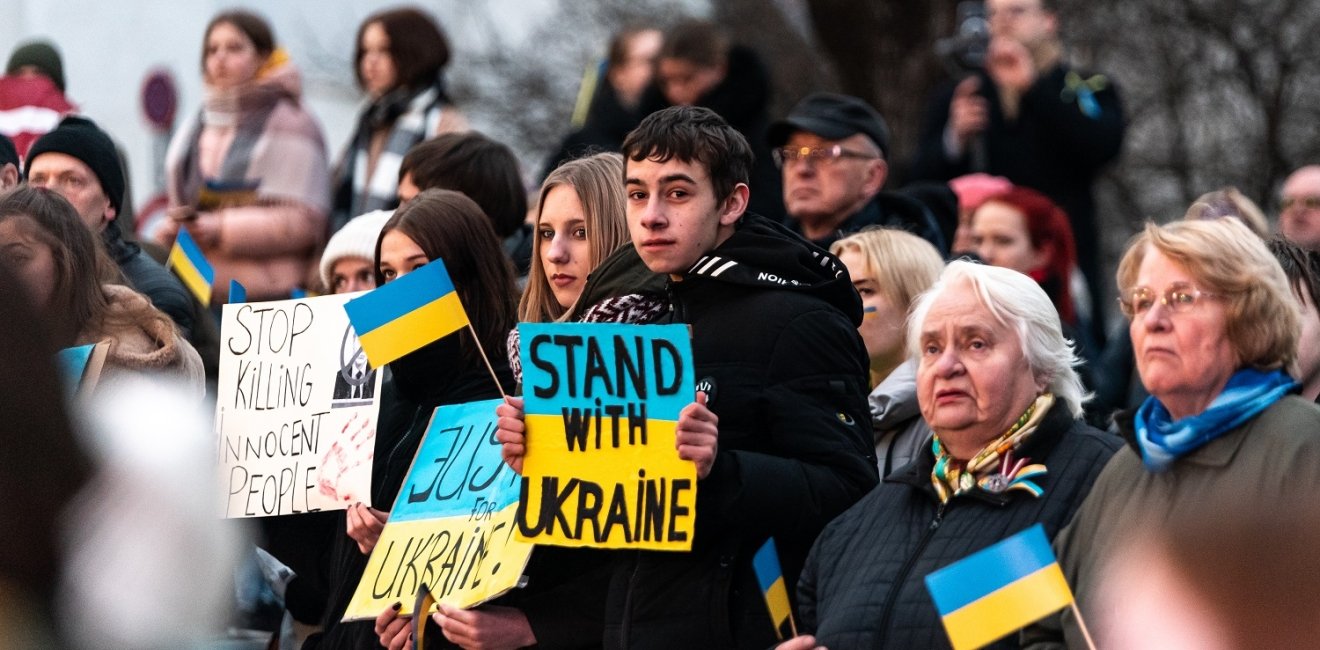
(356, 239)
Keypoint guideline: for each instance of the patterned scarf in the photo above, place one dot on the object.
(1248, 392)
(952, 479)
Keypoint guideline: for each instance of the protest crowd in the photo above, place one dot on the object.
(716, 381)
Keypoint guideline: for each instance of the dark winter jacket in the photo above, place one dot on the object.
(891, 210)
(775, 345)
(150, 279)
(433, 376)
(607, 124)
(864, 583)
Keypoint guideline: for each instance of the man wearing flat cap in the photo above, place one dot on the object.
(832, 151)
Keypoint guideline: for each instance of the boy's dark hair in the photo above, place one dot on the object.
(693, 134)
(483, 169)
(1302, 267)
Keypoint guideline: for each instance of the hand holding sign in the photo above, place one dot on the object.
(697, 435)
(394, 631)
(364, 526)
(488, 626)
(512, 432)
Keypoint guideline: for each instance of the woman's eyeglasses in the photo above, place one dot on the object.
(1179, 297)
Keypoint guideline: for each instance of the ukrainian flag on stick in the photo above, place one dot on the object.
(999, 589)
(406, 314)
(771, 578)
(191, 266)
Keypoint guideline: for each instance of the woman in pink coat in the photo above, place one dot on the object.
(248, 175)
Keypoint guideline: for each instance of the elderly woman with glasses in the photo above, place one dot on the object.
(1214, 329)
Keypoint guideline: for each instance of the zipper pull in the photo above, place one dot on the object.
(939, 516)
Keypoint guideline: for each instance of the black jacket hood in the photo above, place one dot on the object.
(763, 253)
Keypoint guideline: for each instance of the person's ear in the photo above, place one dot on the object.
(734, 205)
(876, 175)
(8, 176)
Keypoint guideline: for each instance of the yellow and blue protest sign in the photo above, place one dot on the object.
(451, 527)
(602, 402)
(406, 314)
(191, 266)
(999, 589)
(771, 578)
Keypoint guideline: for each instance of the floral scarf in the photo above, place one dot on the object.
(952, 479)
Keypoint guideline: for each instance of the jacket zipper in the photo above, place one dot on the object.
(901, 578)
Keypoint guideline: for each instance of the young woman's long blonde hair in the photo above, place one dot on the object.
(598, 182)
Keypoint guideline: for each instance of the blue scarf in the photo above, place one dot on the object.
(1247, 393)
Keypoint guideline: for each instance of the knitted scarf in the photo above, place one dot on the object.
(411, 117)
(1248, 392)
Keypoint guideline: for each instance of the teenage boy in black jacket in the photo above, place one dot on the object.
(779, 432)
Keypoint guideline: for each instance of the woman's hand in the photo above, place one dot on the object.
(485, 628)
(511, 431)
(364, 526)
(394, 631)
(697, 436)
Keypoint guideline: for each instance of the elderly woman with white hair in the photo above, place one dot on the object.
(997, 385)
(1214, 329)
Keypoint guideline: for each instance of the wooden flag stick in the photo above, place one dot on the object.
(485, 358)
(792, 627)
(1081, 623)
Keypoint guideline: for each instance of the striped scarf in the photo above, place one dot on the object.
(411, 119)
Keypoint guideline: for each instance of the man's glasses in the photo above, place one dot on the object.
(784, 155)
(1179, 297)
(1302, 202)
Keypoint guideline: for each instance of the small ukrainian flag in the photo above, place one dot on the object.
(237, 292)
(999, 589)
(406, 314)
(771, 578)
(191, 266)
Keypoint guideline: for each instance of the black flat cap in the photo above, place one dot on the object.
(834, 117)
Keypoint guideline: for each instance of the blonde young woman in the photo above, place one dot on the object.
(889, 269)
(579, 223)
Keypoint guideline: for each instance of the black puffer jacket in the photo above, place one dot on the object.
(864, 583)
(775, 344)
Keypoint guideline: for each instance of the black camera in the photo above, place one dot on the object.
(964, 51)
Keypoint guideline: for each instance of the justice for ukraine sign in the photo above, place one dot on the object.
(451, 527)
(602, 406)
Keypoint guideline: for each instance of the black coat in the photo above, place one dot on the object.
(436, 375)
(775, 344)
(1052, 147)
(864, 583)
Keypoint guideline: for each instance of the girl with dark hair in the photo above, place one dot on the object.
(399, 59)
(247, 175)
(438, 224)
(80, 294)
